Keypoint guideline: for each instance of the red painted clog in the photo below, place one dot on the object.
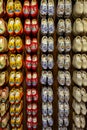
(34, 8)
(27, 26)
(26, 8)
(28, 62)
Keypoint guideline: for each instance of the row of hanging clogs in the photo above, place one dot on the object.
(64, 29)
(31, 62)
(63, 107)
(32, 108)
(47, 98)
(15, 8)
(16, 106)
(15, 99)
(31, 95)
(64, 7)
(63, 44)
(4, 106)
(79, 62)
(16, 61)
(4, 95)
(79, 107)
(47, 107)
(32, 100)
(64, 78)
(15, 44)
(47, 61)
(16, 27)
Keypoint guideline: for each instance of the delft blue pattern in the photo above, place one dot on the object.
(43, 47)
(50, 47)
(44, 28)
(51, 10)
(50, 121)
(44, 111)
(50, 65)
(43, 9)
(44, 64)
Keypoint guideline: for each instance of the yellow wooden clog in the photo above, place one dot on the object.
(13, 61)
